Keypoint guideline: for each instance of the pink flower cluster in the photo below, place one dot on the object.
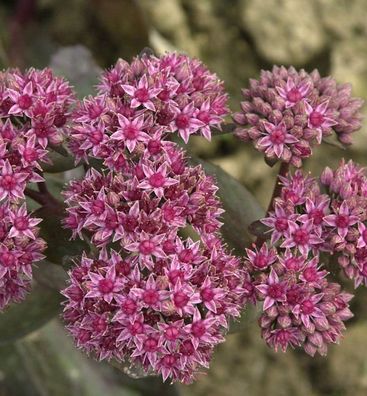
(139, 104)
(33, 114)
(301, 308)
(20, 246)
(166, 319)
(162, 289)
(162, 301)
(153, 196)
(286, 112)
(347, 187)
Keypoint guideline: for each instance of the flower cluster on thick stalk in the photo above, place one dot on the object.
(286, 112)
(300, 306)
(162, 287)
(33, 114)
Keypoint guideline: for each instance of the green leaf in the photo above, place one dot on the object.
(18, 320)
(49, 364)
(59, 246)
(242, 209)
(50, 275)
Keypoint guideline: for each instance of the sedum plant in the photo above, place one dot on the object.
(156, 270)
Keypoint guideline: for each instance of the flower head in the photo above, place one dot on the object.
(20, 247)
(286, 112)
(140, 104)
(162, 301)
(164, 324)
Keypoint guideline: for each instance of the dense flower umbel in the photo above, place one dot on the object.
(140, 103)
(19, 248)
(308, 221)
(301, 308)
(147, 199)
(287, 111)
(166, 320)
(163, 301)
(347, 187)
(34, 111)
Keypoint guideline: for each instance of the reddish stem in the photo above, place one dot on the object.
(283, 171)
(36, 196)
(42, 187)
(43, 196)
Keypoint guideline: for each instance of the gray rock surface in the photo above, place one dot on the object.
(285, 31)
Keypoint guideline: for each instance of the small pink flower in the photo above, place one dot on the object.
(147, 247)
(169, 365)
(184, 297)
(293, 93)
(171, 333)
(104, 286)
(200, 330)
(273, 290)
(22, 223)
(319, 118)
(206, 115)
(12, 183)
(22, 100)
(262, 258)
(278, 222)
(45, 131)
(186, 122)
(109, 226)
(134, 330)
(282, 338)
(316, 210)
(308, 310)
(150, 295)
(311, 273)
(31, 153)
(157, 180)
(343, 220)
(276, 140)
(142, 94)
(291, 261)
(303, 236)
(131, 131)
(211, 296)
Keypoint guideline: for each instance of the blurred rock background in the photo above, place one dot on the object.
(236, 39)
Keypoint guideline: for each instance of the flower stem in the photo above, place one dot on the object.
(37, 196)
(42, 187)
(283, 171)
(43, 196)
